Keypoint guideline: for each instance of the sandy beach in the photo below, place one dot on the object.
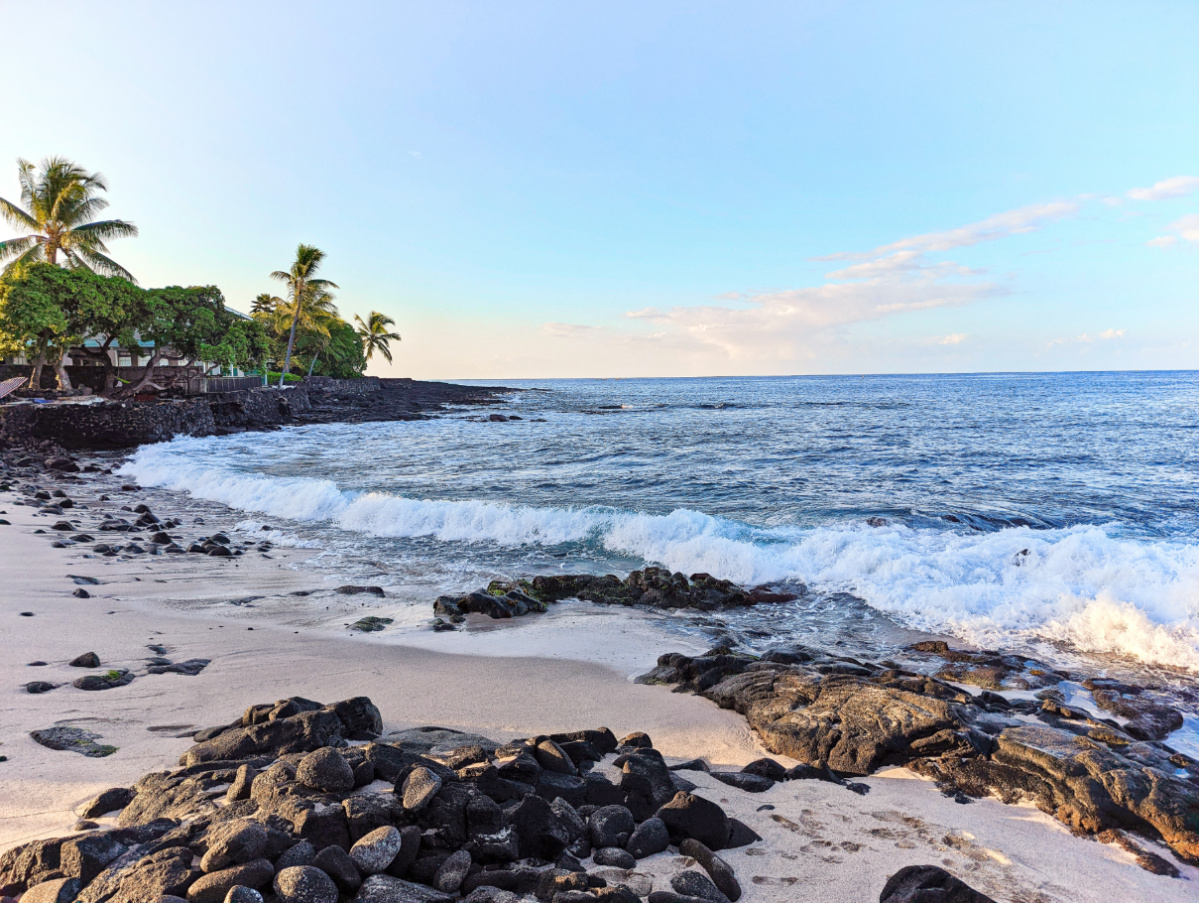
(569, 671)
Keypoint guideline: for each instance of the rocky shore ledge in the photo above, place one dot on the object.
(99, 424)
(1098, 776)
(299, 802)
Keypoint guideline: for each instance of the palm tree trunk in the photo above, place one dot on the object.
(291, 338)
(312, 366)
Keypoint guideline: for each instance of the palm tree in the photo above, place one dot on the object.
(265, 303)
(323, 322)
(375, 336)
(301, 287)
(60, 201)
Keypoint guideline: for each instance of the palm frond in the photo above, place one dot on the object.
(31, 255)
(106, 230)
(16, 247)
(72, 210)
(16, 217)
(28, 183)
(102, 264)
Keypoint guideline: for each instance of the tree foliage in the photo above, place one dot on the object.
(45, 310)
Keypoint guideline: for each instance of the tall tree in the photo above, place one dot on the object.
(60, 201)
(375, 336)
(265, 303)
(302, 286)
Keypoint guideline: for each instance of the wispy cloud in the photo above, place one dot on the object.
(1166, 189)
(892, 279)
(1088, 338)
(901, 277)
(1001, 225)
(1185, 229)
(569, 330)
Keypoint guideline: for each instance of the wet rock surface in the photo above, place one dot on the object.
(651, 587)
(851, 717)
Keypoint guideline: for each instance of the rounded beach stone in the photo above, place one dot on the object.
(60, 890)
(302, 853)
(327, 770)
(688, 815)
(337, 864)
(693, 884)
(231, 843)
(650, 837)
(718, 870)
(213, 887)
(419, 788)
(550, 756)
(242, 894)
(611, 826)
(87, 660)
(451, 873)
(305, 884)
(375, 851)
(614, 856)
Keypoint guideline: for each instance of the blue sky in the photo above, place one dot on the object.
(626, 189)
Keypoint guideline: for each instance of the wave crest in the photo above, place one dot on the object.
(1079, 585)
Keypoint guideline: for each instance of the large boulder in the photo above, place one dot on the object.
(688, 815)
(289, 726)
(928, 884)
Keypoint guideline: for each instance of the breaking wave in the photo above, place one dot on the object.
(1081, 585)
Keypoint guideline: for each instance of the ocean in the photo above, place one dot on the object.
(1054, 513)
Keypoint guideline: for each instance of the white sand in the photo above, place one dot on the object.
(565, 671)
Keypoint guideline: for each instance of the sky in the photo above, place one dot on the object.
(611, 189)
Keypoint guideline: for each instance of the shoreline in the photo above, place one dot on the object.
(94, 423)
(994, 847)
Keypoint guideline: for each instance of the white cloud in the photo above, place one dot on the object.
(1186, 228)
(1166, 189)
(781, 325)
(757, 329)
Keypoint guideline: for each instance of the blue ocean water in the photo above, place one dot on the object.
(1003, 508)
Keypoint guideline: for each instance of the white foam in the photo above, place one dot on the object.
(1082, 585)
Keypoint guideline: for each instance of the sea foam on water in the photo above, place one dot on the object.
(1082, 585)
